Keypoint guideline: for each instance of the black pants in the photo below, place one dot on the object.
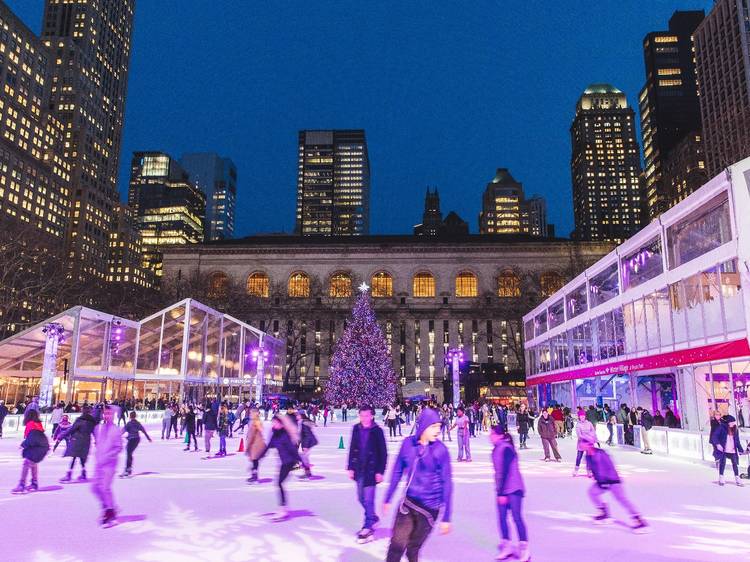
(132, 445)
(412, 527)
(283, 473)
(80, 459)
(191, 434)
(472, 429)
(734, 459)
(173, 425)
(391, 429)
(199, 427)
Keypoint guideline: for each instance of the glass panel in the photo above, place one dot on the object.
(660, 302)
(741, 381)
(629, 323)
(540, 323)
(213, 339)
(196, 345)
(701, 231)
(606, 347)
(148, 346)
(91, 344)
(583, 351)
(423, 285)
(382, 285)
(722, 386)
(731, 292)
(651, 310)
(575, 301)
(231, 350)
(643, 264)
(619, 325)
(556, 313)
(693, 287)
(711, 291)
(122, 348)
(604, 286)
(466, 285)
(528, 330)
(679, 312)
(640, 325)
(172, 341)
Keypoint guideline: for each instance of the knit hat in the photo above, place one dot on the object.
(728, 419)
(581, 414)
(425, 420)
(498, 429)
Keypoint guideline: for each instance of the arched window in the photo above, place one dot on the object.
(257, 285)
(218, 283)
(508, 285)
(551, 282)
(423, 285)
(382, 285)
(341, 285)
(299, 285)
(466, 284)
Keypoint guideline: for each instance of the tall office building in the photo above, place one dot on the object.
(88, 43)
(432, 218)
(34, 173)
(722, 44)
(605, 166)
(501, 205)
(168, 207)
(333, 183)
(216, 177)
(534, 216)
(670, 112)
(126, 251)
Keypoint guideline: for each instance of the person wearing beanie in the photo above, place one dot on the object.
(727, 442)
(585, 431)
(509, 491)
(607, 479)
(462, 435)
(429, 486)
(108, 438)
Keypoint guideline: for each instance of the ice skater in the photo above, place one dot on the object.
(607, 479)
(547, 427)
(727, 440)
(133, 429)
(523, 422)
(223, 425)
(79, 442)
(34, 448)
(255, 443)
(509, 491)
(190, 429)
(284, 439)
(462, 435)
(585, 431)
(368, 454)
(429, 487)
(307, 442)
(108, 446)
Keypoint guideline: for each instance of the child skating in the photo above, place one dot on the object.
(132, 429)
(34, 448)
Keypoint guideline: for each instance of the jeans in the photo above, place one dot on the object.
(611, 436)
(366, 497)
(343, 415)
(522, 436)
(596, 492)
(723, 462)
(580, 455)
(166, 425)
(410, 529)
(195, 441)
(283, 473)
(102, 485)
(132, 444)
(207, 435)
(464, 447)
(443, 430)
(29, 466)
(547, 443)
(391, 429)
(222, 442)
(472, 429)
(199, 427)
(514, 506)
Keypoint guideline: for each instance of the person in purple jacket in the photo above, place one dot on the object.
(510, 490)
(429, 486)
(108, 446)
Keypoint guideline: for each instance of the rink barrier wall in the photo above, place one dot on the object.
(13, 424)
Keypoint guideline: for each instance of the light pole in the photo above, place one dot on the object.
(454, 358)
(260, 356)
(54, 334)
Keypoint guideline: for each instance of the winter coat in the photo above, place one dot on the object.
(3, 412)
(370, 461)
(35, 446)
(282, 442)
(255, 442)
(603, 469)
(108, 439)
(79, 436)
(585, 431)
(190, 422)
(222, 423)
(508, 478)
(209, 420)
(427, 468)
(622, 416)
(592, 416)
(647, 420)
(546, 427)
(722, 435)
(522, 422)
(307, 437)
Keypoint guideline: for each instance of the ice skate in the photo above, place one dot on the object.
(738, 482)
(253, 478)
(126, 474)
(281, 515)
(506, 550)
(66, 478)
(602, 518)
(33, 487)
(20, 489)
(575, 472)
(639, 525)
(524, 553)
(365, 535)
(109, 519)
(82, 477)
(721, 480)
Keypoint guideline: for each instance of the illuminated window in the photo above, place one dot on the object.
(257, 284)
(299, 285)
(382, 285)
(423, 285)
(341, 285)
(466, 284)
(551, 282)
(218, 283)
(508, 285)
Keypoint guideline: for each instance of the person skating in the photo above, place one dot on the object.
(190, 429)
(56, 416)
(166, 422)
(548, 433)
(133, 429)
(284, 439)
(209, 426)
(462, 435)
(585, 431)
(34, 448)
(79, 443)
(307, 442)
(426, 464)
(727, 440)
(222, 426)
(255, 443)
(509, 491)
(522, 424)
(107, 437)
(60, 433)
(366, 464)
(607, 479)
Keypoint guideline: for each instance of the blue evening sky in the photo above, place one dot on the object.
(446, 91)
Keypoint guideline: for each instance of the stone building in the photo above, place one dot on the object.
(430, 294)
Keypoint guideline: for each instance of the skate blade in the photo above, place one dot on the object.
(109, 524)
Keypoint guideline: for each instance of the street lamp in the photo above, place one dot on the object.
(260, 356)
(454, 358)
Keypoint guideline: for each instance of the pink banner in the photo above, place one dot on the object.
(713, 352)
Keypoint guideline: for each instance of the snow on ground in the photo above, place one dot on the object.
(182, 505)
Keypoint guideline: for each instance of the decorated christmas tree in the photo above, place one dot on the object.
(361, 371)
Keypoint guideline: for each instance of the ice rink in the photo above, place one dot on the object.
(182, 506)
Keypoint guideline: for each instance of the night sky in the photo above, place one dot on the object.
(446, 91)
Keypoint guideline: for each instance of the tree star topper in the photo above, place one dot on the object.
(364, 287)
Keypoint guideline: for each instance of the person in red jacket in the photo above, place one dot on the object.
(557, 415)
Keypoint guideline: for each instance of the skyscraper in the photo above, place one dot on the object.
(670, 111)
(216, 177)
(168, 207)
(501, 205)
(605, 166)
(534, 216)
(88, 42)
(432, 218)
(126, 263)
(333, 183)
(722, 45)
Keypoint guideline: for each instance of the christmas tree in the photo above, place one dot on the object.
(361, 371)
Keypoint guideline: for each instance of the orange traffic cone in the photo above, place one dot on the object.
(242, 446)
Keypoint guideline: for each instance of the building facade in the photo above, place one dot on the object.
(670, 110)
(169, 209)
(722, 53)
(502, 201)
(430, 294)
(432, 217)
(605, 166)
(126, 263)
(88, 44)
(333, 183)
(216, 177)
(534, 216)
